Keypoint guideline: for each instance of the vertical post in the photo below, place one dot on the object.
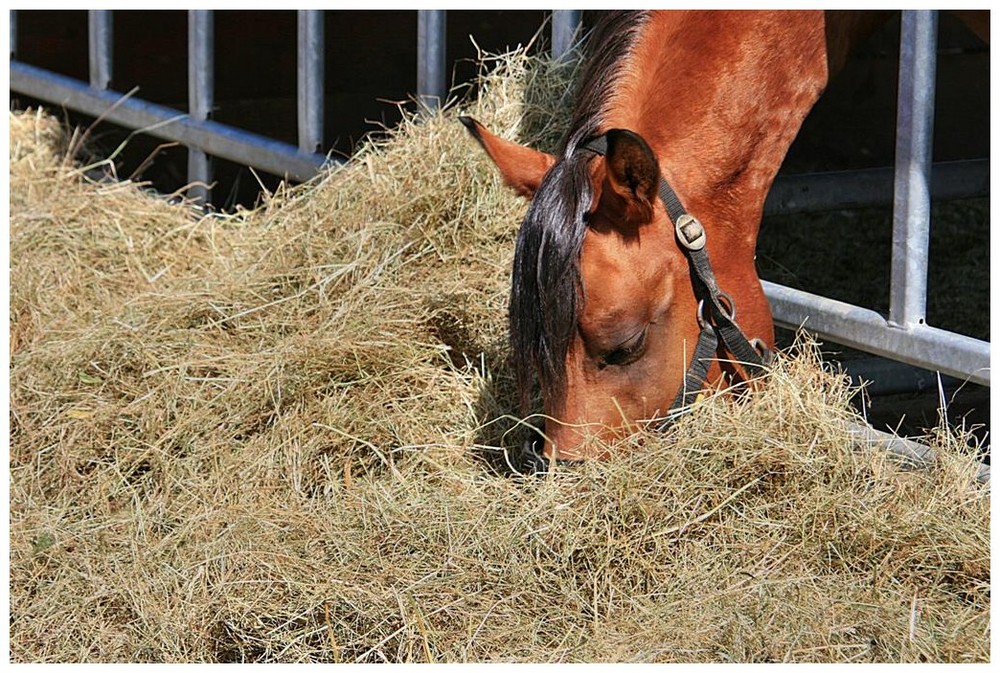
(201, 93)
(100, 37)
(911, 189)
(431, 57)
(311, 53)
(13, 34)
(565, 26)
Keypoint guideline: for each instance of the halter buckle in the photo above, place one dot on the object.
(690, 232)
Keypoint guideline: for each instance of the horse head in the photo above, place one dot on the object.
(602, 309)
(615, 307)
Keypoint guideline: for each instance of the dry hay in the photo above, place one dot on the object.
(270, 437)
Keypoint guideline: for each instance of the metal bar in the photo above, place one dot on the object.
(565, 26)
(920, 345)
(431, 48)
(100, 44)
(914, 137)
(311, 52)
(913, 453)
(219, 140)
(13, 33)
(201, 97)
(839, 190)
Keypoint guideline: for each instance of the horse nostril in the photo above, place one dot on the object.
(531, 460)
(535, 440)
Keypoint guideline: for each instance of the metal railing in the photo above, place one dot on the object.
(903, 336)
(195, 129)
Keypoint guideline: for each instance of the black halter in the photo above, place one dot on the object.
(720, 321)
(716, 318)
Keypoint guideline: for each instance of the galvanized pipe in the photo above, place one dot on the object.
(220, 140)
(911, 452)
(914, 138)
(201, 96)
(311, 52)
(13, 33)
(100, 44)
(920, 345)
(431, 48)
(565, 27)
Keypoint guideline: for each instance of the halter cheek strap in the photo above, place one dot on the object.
(716, 309)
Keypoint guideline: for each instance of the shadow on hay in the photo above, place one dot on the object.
(499, 432)
(548, 98)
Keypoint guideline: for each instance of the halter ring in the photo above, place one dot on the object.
(728, 306)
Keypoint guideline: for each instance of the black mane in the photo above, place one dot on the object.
(546, 276)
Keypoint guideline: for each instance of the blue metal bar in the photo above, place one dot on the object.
(565, 28)
(311, 52)
(219, 140)
(431, 48)
(201, 96)
(100, 45)
(914, 137)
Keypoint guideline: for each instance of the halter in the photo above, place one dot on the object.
(716, 317)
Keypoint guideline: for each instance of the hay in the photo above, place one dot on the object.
(271, 437)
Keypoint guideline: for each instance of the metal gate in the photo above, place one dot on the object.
(912, 182)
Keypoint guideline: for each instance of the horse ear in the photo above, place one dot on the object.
(522, 168)
(632, 177)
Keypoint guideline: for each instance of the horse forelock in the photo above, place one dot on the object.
(546, 291)
(546, 278)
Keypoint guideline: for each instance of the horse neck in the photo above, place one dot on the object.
(720, 96)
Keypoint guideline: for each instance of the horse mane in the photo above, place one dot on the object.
(546, 285)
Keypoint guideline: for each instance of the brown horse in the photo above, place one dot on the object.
(682, 116)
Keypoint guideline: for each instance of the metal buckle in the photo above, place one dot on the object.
(690, 232)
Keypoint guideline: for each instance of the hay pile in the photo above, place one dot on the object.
(270, 437)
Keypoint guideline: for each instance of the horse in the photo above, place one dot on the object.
(638, 244)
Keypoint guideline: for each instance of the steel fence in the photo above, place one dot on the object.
(909, 185)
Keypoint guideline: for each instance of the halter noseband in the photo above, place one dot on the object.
(719, 323)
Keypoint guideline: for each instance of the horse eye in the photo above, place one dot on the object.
(628, 352)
